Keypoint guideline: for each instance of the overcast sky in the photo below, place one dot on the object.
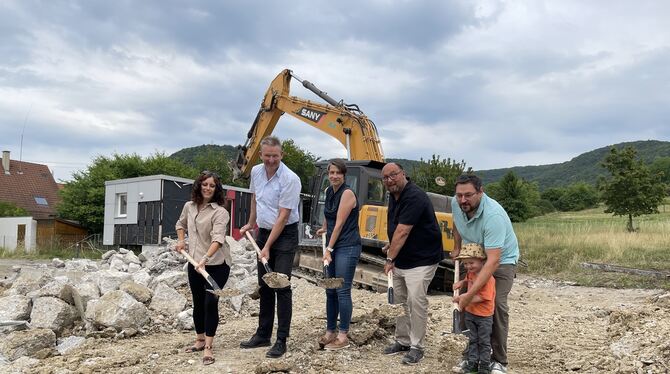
(495, 83)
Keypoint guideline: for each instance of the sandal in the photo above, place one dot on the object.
(208, 360)
(195, 348)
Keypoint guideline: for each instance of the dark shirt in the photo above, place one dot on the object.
(349, 235)
(424, 244)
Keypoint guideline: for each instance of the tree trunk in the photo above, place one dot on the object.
(630, 223)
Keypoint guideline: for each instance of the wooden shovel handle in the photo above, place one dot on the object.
(195, 264)
(457, 278)
(258, 252)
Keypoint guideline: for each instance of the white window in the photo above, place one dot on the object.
(121, 204)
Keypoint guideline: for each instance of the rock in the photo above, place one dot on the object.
(133, 268)
(123, 251)
(167, 300)
(130, 258)
(27, 343)
(116, 263)
(67, 344)
(185, 319)
(55, 288)
(274, 366)
(139, 292)
(15, 307)
(119, 310)
(108, 254)
(171, 278)
(52, 313)
(29, 281)
(58, 263)
(110, 280)
(22, 364)
(82, 265)
(142, 277)
(89, 313)
(87, 291)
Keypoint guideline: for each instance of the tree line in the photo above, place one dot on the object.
(633, 188)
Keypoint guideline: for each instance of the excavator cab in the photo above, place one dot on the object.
(365, 179)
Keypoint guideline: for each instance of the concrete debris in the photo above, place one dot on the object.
(15, 307)
(67, 344)
(31, 343)
(52, 313)
(167, 300)
(119, 310)
(140, 292)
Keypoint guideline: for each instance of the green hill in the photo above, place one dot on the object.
(188, 155)
(585, 167)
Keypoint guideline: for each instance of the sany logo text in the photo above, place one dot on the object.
(310, 114)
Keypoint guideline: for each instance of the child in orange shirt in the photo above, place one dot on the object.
(479, 313)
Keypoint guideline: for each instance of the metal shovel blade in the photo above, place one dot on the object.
(328, 282)
(225, 292)
(276, 280)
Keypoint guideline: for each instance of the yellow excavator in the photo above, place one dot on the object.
(358, 134)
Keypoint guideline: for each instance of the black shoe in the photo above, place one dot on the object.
(255, 342)
(277, 350)
(413, 356)
(395, 348)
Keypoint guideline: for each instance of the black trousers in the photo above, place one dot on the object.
(205, 304)
(479, 336)
(282, 253)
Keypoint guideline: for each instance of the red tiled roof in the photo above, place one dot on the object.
(24, 183)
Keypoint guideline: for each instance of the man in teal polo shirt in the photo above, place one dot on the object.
(480, 219)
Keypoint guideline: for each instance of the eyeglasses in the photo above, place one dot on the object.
(467, 196)
(391, 176)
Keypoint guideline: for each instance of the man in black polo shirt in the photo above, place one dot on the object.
(414, 250)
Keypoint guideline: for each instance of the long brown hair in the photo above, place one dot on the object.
(196, 193)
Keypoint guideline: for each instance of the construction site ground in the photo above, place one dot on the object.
(553, 328)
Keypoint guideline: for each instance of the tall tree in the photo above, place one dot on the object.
(83, 198)
(632, 190)
(300, 161)
(424, 175)
(519, 198)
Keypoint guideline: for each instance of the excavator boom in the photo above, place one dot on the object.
(344, 122)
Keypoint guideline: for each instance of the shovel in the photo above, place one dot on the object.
(456, 314)
(216, 289)
(389, 291)
(327, 282)
(272, 279)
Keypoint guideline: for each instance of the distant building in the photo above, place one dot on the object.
(142, 211)
(32, 187)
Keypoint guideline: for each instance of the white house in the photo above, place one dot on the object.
(18, 232)
(142, 210)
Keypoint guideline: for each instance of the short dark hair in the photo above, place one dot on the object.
(196, 193)
(469, 178)
(339, 164)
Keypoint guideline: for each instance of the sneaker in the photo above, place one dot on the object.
(498, 368)
(413, 356)
(395, 348)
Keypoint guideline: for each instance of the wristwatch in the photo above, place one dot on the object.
(206, 258)
(389, 260)
(329, 249)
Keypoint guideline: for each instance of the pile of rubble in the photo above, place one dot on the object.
(52, 309)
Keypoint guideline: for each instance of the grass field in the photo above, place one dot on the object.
(555, 245)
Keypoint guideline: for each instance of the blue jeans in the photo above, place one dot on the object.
(338, 301)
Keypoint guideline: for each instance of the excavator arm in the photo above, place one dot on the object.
(344, 122)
